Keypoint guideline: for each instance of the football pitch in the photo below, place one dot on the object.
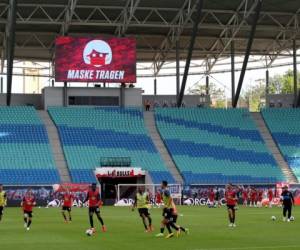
(208, 230)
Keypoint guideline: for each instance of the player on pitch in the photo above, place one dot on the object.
(94, 202)
(169, 214)
(231, 201)
(67, 206)
(142, 203)
(27, 205)
(3, 200)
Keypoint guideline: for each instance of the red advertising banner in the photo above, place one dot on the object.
(100, 59)
(118, 172)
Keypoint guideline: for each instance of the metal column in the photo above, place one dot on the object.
(177, 69)
(65, 94)
(1, 84)
(247, 54)
(155, 86)
(10, 47)
(2, 67)
(207, 85)
(295, 73)
(267, 82)
(122, 95)
(190, 51)
(232, 73)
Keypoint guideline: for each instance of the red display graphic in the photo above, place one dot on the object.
(100, 59)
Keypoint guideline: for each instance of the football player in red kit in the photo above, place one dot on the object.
(260, 194)
(27, 205)
(211, 197)
(253, 197)
(67, 205)
(158, 199)
(231, 201)
(245, 195)
(94, 202)
(270, 197)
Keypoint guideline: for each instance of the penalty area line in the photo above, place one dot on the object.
(250, 248)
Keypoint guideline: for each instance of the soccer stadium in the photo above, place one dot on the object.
(145, 124)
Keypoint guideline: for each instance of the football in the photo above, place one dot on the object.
(89, 232)
(292, 218)
(273, 217)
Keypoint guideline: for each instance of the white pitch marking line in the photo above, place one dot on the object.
(250, 248)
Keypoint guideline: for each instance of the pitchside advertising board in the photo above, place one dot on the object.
(194, 195)
(100, 59)
(47, 196)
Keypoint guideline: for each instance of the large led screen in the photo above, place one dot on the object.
(100, 59)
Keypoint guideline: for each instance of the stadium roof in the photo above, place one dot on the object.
(156, 24)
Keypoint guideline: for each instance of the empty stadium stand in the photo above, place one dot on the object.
(284, 125)
(25, 153)
(159, 144)
(89, 133)
(217, 146)
(272, 146)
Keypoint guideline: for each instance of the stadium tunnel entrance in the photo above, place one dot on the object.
(110, 177)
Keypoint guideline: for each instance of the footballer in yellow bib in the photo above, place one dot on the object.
(142, 203)
(3, 199)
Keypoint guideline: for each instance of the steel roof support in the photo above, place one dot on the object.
(282, 39)
(64, 31)
(177, 26)
(232, 72)
(3, 57)
(235, 24)
(267, 81)
(247, 54)
(68, 17)
(126, 16)
(177, 68)
(190, 51)
(207, 85)
(295, 73)
(10, 47)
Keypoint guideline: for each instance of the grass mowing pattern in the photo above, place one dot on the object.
(208, 230)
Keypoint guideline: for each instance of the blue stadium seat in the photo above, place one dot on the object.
(89, 133)
(284, 125)
(216, 146)
(25, 154)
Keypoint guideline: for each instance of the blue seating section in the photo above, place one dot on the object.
(284, 125)
(216, 146)
(89, 133)
(25, 153)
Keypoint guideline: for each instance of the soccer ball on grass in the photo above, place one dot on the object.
(89, 232)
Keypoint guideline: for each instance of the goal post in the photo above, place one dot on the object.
(126, 193)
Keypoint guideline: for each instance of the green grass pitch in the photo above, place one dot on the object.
(208, 230)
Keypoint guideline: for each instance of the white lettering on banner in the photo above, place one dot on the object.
(110, 74)
(100, 74)
(80, 74)
(200, 202)
(58, 203)
(118, 172)
(95, 74)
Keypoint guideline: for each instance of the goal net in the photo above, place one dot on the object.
(126, 193)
